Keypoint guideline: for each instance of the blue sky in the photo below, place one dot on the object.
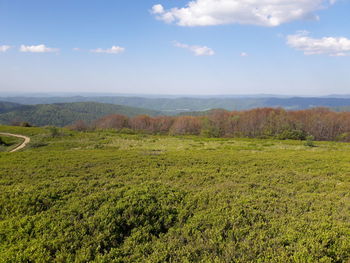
(169, 47)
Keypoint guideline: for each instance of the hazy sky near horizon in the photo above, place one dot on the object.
(175, 47)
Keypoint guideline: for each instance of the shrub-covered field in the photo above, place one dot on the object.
(8, 143)
(112, 197)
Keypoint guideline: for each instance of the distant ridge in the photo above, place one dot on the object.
(6, 106)
(173, 106)
(62, 114)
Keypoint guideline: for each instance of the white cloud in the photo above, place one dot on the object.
(332, 46)
(244, 54)
(4, 48)
(76, 49)
(157, 9)
(112, 50)
(252, 12)
(37, 49)
(196, 50)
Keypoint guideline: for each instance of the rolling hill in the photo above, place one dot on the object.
(8, 106)
(62, 114)
(175, 105)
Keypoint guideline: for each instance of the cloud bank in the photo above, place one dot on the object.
(112, 50)
(37, 49)
(4, 48)
(196, 50)
(251, 12)
(331, 46)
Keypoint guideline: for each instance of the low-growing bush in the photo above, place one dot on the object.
(310, 141)
(25, 124)
(109, 197)
(292, 135)
(54, 132)
(38, 144)
(344, 137)
(126, 131)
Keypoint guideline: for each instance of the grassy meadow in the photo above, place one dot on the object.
(105, 196)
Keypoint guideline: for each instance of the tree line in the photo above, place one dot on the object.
(320, 123)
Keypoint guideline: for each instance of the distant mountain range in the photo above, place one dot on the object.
(62, 114)
(61, 111)
(172, 106)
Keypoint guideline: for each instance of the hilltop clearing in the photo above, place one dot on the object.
(107, 196)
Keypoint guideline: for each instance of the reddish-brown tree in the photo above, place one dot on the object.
(79, 126)
(161, 124)
(186, 125)
(140, 123)
(114, 121)
(321, 123)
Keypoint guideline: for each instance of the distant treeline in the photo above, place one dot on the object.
(62, 114)
(320, 123)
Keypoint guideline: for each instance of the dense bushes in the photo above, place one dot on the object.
(320, 123)
(147, 198)
(112, 225)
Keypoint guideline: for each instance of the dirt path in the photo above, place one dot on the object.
(21, 146)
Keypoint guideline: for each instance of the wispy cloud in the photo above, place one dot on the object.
(196, 50)
(331, 46)
(253, 12)
(112, 50)
(244, 54)
(4, 48)
(38, 49)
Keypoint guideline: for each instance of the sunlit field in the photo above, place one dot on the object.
(111, 197)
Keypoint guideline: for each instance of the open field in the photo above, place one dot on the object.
(110, 197)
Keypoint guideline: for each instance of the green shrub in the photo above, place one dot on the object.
(173, 199)
(344, 137)
(310, 141)
(292, 135)
(25, 124)
(54, 132)
(209, 130)
(38, 144)
(126, 131)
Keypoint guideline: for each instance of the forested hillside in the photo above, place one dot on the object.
(67, 113)
(8, 106)
(173, 106)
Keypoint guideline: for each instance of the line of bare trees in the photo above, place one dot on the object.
(321, 123)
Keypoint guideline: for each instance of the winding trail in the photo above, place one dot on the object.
(21, 146)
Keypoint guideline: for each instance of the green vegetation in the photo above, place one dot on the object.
(342, 108)
(8, 106)
(310, 141)
(7, 143)
(174, 105)
(108, 196)
(66, 113)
